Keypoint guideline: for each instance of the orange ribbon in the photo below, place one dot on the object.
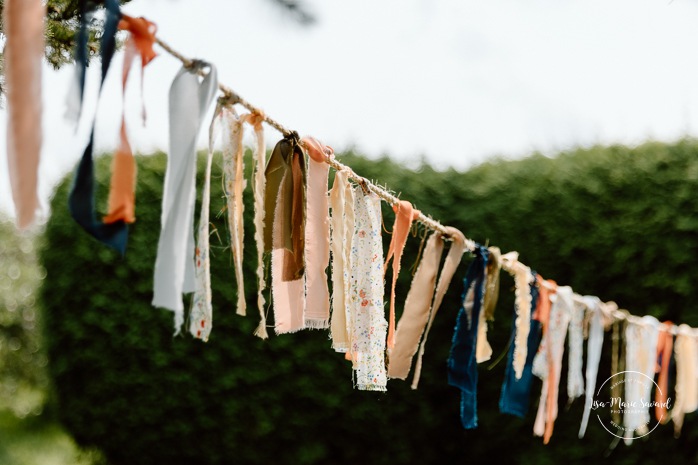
(665, 345)
(405, 214)
(122, 192)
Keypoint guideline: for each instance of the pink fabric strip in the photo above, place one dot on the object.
(317, 237)
(405, 214)
(24, 49)
(417, 305)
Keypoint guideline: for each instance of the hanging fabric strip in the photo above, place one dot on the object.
(686, 350)
(24, 49)
(640, 360)
(455, 254)
(234, 184)
(594, 345)
(462, 367)
(522, 278)
(367, 317)
(81, 202)
(547, 364)
(259, 165)
(405, 214)
(284, 233)
(201, 314)
(416, 311)
(317, 237)
(665, 346)
(618, 364)
(122, 191)
(342, 221)
(516, 393)
(494, 266)
(174, 265)
(575, 340)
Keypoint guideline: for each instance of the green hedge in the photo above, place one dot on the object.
(616, 222)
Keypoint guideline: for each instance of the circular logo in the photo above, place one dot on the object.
(626, 409)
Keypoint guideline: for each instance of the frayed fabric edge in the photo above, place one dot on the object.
(317, 324)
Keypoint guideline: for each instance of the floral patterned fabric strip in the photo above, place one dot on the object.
(367, 309)
(201, 313)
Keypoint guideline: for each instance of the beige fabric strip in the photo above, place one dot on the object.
(342, 204)
(522, 278)
(416, 311)
(259, 181)
(686, 352)
(24, 49)
(233, 167)
(449, 268)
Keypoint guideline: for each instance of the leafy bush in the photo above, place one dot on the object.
(616, 222)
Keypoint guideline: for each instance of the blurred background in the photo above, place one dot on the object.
(563, 131)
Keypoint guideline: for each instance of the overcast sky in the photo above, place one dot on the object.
(455, 81)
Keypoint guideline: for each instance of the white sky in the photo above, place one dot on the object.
(457, 81)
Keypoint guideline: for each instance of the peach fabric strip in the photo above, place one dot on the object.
(416, 313)
(455, 254)
(122, 191)
(317, 237)
(665, 346)
(686, 350)
(342, 204)
(235, 183)
(23, 52)
(405, 214)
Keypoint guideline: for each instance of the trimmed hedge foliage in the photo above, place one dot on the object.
(615, 222)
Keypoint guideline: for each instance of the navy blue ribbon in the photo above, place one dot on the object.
(81, 202)
(462, 365)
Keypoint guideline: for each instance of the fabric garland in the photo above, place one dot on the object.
(24, 49)
(317, 237)
(416, 311)
(174, 266)
(284, 232)
(367, 318)
(342, 233)
(462, 367)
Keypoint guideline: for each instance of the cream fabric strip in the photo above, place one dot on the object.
(259, 181)
(235, 183)
(416, 311)
(547, 364)
(201, 313)
(640, 357)
(575, 340)
(686, 352)
(317, 239)
(23, 52)
(594, 346)
(367, 319)
(522, 279)
(455, 254)
(174, 265)
(342, 204)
